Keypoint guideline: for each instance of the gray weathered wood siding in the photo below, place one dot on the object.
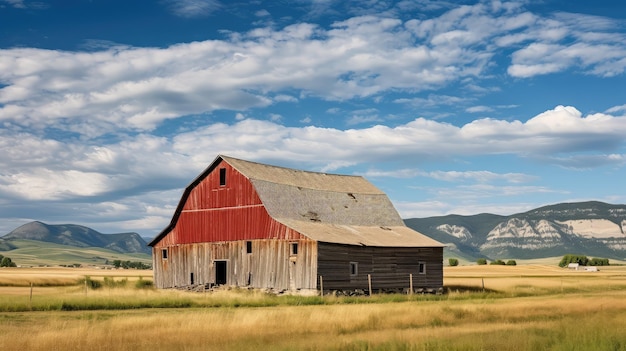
(389, 267)
(270, 265)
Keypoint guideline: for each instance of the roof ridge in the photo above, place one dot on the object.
(227, 158)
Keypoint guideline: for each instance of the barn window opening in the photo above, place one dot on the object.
(222, 176)
(164, 254)
(249, 247)
(294, 248)
(191, 278)
(354, 268)
(421, 268)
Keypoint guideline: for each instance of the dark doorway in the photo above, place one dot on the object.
(220, 272)
(191, 278)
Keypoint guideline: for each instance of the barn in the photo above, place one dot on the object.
(247, 224)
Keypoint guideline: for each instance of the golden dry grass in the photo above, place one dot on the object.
(589, 314)
(534, 279)
(308, 327)
(56, 276)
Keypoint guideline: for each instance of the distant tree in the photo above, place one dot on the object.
(580, 259)
(453, 262)
(511, 263)
(481, 261)
(497, 262)
(599, 262)
(6, 262)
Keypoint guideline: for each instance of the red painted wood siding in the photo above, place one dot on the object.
(216, 213)
(209, 194)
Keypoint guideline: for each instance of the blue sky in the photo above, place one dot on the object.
(108, 109)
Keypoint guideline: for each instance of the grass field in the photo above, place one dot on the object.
(525, 307)
(33, 253)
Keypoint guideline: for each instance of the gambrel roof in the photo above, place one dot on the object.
(325, 207)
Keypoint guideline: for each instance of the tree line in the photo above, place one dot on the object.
(483, 261)
(583, 261)
(565, 261)
(129, 265)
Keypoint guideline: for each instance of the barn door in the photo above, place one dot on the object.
(221, 272)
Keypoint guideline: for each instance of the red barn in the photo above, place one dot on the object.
(247, 224)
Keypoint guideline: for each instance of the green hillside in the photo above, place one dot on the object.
(80, 236)
(31, 253)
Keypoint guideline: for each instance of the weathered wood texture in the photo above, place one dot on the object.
(271, 264)
(389, 267)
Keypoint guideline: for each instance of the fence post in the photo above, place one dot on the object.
(321, 286)
(410, 283)
(369, 283)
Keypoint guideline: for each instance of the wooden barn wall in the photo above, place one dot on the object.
(389, 267)
(214, 223)
(270, 265)
(238, 191)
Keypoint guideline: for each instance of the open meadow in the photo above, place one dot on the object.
(524, 307)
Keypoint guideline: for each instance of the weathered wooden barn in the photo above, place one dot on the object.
(247, 224)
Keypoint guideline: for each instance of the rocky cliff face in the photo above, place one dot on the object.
(592, 228)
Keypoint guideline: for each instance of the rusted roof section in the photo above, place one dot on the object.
(324, 206)
(303, 179)
(378, 236)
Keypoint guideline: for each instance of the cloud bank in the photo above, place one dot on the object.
(112, 134)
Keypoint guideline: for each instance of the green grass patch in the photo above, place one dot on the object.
(33, 253)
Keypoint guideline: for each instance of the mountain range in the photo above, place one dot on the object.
(75, 235)
(591, 228)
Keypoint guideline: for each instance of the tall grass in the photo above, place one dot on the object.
(569, 322)
(59, 276)
(516, 312)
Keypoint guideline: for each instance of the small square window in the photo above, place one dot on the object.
(294, 249)
(421, 268)
(354, 268)
(249, 247)
(222, 176)
(164, 254)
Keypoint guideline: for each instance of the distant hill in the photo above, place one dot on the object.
(6, 245)
(78, 236)
(595, 229)
(32, 253)
(147, 239)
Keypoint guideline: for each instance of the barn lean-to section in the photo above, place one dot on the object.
(241, 223)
